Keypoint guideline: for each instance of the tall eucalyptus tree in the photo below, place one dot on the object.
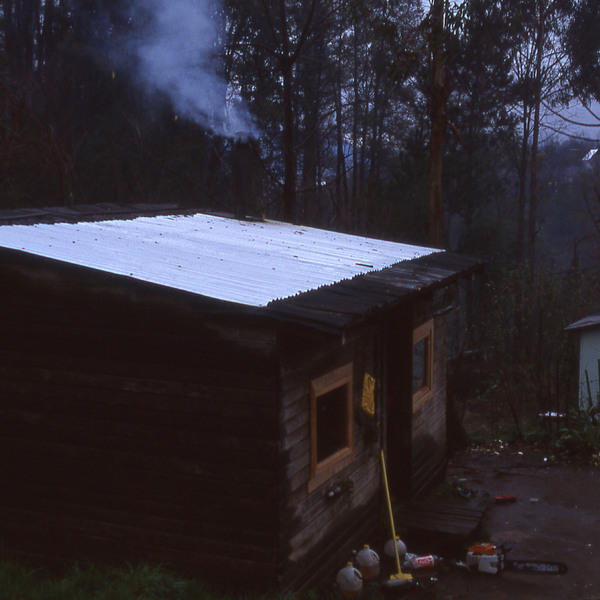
(583, 46)
(478, 186)
(272, 39)
(540, 73)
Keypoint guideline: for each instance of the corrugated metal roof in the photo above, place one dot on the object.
(589, 321)
(335, 307)
(247, 262)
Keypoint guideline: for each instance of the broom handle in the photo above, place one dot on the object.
(389, 504)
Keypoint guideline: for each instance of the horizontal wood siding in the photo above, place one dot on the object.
(316, 530)
(135, 428)
(429, 423)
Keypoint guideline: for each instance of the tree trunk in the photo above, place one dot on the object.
(47, 37)
(438, 127)
(523, 185)
(310, 79)
(533, 197)
(289, 160)
(355, 116)
(340, 164)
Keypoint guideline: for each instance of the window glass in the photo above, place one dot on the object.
(331, 422)
(331, 440)
(420, 365)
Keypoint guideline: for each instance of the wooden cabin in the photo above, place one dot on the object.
(213, 394)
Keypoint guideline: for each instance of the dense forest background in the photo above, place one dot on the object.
(435, 123)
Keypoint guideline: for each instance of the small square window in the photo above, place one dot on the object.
(422, 367)
(331, 436)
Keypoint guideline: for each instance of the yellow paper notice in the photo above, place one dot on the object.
(368, 395)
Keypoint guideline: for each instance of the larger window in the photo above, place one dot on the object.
(422, 373)
(330, 424)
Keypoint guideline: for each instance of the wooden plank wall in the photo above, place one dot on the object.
(429, 423)
(398, 330)
(135, 429)
(317, 532)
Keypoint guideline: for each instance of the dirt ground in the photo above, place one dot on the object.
(556, 517)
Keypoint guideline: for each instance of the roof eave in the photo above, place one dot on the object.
(337, 307)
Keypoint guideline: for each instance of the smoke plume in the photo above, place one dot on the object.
(176, 46)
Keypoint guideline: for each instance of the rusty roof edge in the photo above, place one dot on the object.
(321, 318)
(474, 265)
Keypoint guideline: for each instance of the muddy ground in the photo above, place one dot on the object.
(556, 517)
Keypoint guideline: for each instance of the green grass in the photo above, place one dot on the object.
(142, 582)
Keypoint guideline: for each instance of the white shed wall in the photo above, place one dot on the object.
(589, 360)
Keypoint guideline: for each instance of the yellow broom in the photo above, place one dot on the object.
(399, 579)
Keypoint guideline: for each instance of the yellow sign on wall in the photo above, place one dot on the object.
(368, 395)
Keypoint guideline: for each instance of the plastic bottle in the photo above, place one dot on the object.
(349, 581)
(421, 563)
(367, 562)
(390, 553)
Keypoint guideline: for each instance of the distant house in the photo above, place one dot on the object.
(588, 331)
(212, 394)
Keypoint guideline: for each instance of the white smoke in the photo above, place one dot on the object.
(177, 46)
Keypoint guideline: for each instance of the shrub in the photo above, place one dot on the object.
(581, 438)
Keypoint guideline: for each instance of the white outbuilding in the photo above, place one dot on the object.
(588, 330)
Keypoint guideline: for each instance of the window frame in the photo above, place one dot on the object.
(321, 471)
(425, 393)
